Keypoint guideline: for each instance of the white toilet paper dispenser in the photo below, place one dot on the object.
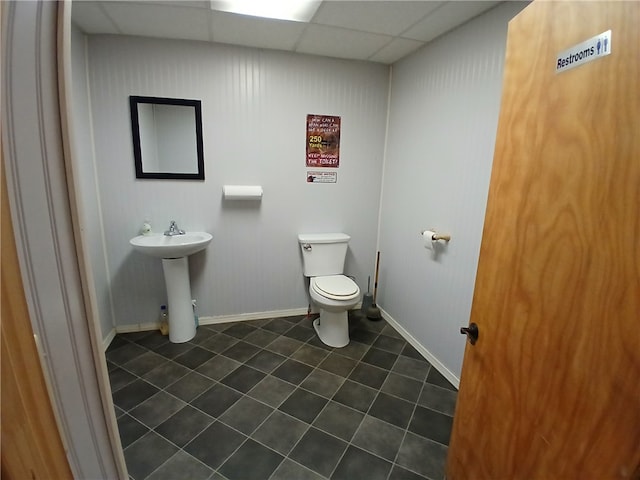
(431, 237)
(435, 236)
(242, 192)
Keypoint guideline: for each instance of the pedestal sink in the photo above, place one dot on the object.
(174, 250)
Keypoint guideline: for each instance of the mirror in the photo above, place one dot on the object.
(167, 138)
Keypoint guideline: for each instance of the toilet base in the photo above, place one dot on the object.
(333, 328)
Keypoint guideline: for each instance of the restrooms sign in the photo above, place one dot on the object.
(587, 51)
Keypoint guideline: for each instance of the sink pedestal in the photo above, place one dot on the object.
(182, 327)
(174, 250)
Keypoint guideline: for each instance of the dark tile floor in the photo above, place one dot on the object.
(266, 399)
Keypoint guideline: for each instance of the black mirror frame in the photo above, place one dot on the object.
(135, 130)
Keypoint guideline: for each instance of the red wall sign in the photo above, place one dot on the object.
(323, 141)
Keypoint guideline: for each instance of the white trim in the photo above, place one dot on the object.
(242, 317)
(87, 283)
(252, 316)
(108, 339)
(437, 364)
(138, 327)
(40, 201)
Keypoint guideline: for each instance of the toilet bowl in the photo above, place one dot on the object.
(323, 257)
(335, 295)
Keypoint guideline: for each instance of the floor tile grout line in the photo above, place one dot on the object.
(291, 416)
(217, 469)
(187, 403)
(416, 403)
(262, 347)
(160, 466)
(163, 389)
(349, 443)
(309, 425)
(247, 394)
(407, 431)
(250, 436)
(170, 442)
(329, 399)
(141, 377)
(268, 373)
(297, 463)
(393, 462)
(303, 343)
(294, 445)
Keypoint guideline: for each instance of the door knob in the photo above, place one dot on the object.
(471, 332)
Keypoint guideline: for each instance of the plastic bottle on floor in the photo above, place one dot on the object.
(164, 320)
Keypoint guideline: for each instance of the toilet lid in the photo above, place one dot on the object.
(337, 287)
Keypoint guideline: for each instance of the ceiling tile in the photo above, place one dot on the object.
(340, 43)
(159, 21)
(394, 51)
(449, 15)
(387, 17)
(91, 19)
(361, 29)
(254, 31)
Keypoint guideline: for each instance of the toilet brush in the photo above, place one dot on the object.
(373, 313)
(367, 300)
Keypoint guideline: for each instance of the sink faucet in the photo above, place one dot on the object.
(173, 229)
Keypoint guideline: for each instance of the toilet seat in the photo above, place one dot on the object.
(335, 287)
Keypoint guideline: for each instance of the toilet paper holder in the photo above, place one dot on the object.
(435, 236)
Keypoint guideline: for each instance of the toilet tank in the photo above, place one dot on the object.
(323, 253)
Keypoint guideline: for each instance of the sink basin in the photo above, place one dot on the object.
(162, 246)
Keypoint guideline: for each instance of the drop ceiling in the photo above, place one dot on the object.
(371, 30)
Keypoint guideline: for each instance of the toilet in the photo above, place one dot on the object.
(323, 256)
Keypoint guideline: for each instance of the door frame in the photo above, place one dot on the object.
(44, 215)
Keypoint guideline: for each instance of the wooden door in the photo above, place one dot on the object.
(31, 444)
(551, 389)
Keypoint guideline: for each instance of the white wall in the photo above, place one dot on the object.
(254, 107)
(85, 170)
(443, 117)
(445, 102)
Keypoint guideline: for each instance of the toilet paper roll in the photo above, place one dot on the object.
(427, 237)
(242, 192)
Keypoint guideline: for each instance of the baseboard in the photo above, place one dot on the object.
(423, 351)
(251, 316)
(106, 341)
(143, 327)
(138, 327)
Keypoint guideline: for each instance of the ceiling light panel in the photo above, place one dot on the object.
(293, 10)
(255, 32)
